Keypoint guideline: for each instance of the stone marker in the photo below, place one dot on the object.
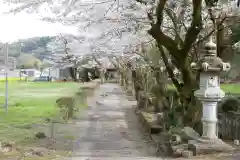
(187, 154)
(209, 94)
(188, 133)
(236, 142)
(176, 138)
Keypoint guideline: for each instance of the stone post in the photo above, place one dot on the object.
(102, 76)
(210, 66)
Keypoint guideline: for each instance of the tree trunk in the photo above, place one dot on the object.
(224, 42)
(72, 71)
(160, 91)
(125, 80)
(134, 87)
(86, 78)
(121, 78)
(192, 108)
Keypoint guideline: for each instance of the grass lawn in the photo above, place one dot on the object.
(30, 103)
(231, 88)
(228, 88)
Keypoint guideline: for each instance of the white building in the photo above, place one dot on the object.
(53, 72)
(31, 73)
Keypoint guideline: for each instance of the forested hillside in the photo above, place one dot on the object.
(29, 53)
(36, 46)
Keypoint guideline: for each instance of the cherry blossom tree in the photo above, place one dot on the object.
(178, 27)
(104, 25)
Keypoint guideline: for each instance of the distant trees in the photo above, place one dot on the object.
(32, 44)
(27, 61)
(36, 45)
(30, 52)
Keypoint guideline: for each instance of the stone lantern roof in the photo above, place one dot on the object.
(210, 62)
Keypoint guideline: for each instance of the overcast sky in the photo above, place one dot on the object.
(23, 25)
(101, 35)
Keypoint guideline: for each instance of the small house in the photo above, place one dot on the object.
(31, 73)
(52, 72)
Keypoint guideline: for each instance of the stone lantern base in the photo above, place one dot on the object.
(208, 146)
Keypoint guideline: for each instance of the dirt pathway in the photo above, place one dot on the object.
(109, 128)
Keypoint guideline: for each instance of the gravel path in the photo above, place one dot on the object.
(110, 128)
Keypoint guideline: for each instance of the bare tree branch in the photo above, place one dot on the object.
(195, 28)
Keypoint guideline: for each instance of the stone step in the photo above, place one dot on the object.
(150, 126)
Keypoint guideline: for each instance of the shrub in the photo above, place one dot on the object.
(66, 106)
(230, 104)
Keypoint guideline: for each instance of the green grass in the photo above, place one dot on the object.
(231, 88)
(30, 103)
(228, 88)
(12, 79)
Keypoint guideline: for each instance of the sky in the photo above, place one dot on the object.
(23, 25)
(103, 35)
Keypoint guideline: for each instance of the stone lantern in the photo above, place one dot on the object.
(210, 66)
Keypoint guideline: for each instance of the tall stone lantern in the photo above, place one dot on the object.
(210, 66)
